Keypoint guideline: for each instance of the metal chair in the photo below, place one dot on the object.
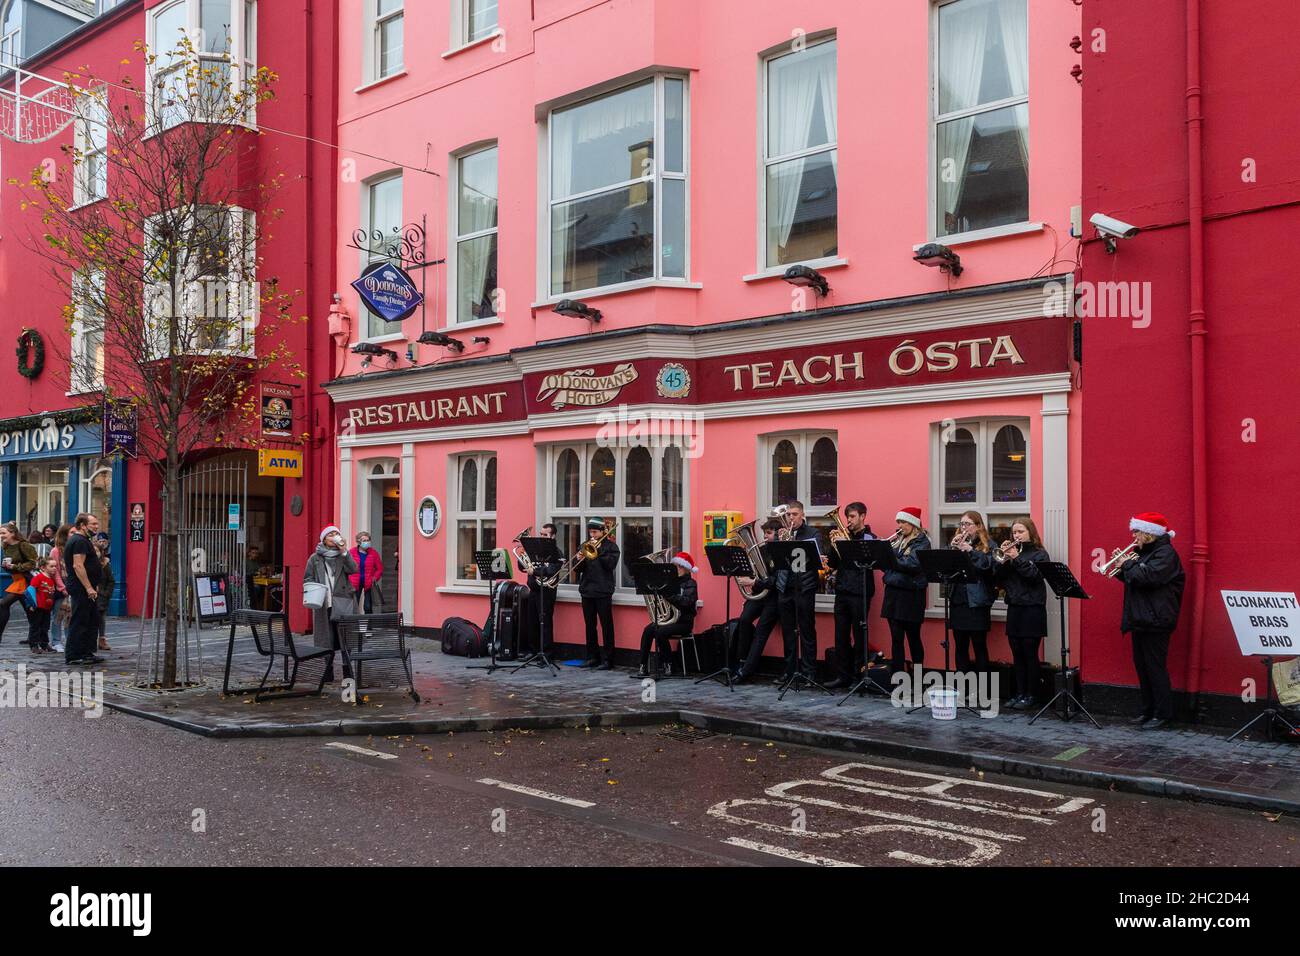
(375, 644)
(281, 644)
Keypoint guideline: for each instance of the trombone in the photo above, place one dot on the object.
(589, 550)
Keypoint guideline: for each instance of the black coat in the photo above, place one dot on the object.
(908, 576)
(597, 578)
(850, 581)
(1153, 588)
(978, 591)
(1021, 580)
(685, 599)
(789, 582)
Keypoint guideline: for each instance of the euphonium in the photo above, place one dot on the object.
(661, 610)
(841, 531)
(750, 537)
(1118, 558)
(521, 556)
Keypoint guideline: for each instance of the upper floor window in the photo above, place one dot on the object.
(88, 309)
(11, 24)
(478, 19)
(91, 144)
(382, 214)
(981, 115)
(474, 274)
(387, 26)
(103, 6)
(206, 56)
(800, 205)
(618, 168)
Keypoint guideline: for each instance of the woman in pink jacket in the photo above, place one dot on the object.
(369, 569)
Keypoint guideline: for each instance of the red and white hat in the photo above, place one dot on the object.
(684, 560)
(910, 515)
(1152, 522)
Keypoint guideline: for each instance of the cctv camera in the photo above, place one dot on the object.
(1113, 228)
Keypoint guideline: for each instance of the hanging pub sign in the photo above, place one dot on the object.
(277, 410)
(388, 292)
(120, 425)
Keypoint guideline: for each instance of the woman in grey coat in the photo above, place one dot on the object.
(330, 565)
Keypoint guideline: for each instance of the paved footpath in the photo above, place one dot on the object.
(1201, 764)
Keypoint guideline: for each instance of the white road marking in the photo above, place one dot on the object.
(518, 788)
(362, 750)
(788, 854)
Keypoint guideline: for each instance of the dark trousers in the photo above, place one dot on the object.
(659, 635)
(101, 623)
(911, 630)
(602, 609)
(1024, 654)
(753, 628)
(541, 618)
(1150, 649)
(6, 602)
(850, 634)
(82, 627)
(38, 628)
(964, 640)
(365, 600)
(799, 616)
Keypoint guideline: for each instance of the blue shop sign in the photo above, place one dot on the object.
(388, 292)
(48, 440)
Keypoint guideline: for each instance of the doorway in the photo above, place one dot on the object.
(383, 520)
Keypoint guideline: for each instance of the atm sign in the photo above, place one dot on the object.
(279, 463)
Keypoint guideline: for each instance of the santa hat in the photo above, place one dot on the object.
(332, 529)
(684, 560)
(910, 515)
(1152, 522)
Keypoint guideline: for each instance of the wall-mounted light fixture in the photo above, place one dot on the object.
(576, 309)
(807, 278)
(940, 256)
(446, 341)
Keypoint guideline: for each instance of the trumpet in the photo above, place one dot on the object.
(894, 537)
(961, 537)
(1005, 552)
(1119, 558)
(521, 556)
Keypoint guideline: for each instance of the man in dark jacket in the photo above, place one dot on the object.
(758, 616)
(596, 587)
(541, 600)
(659, 634)
(797, 603)
(1153, 596)
(852, 600)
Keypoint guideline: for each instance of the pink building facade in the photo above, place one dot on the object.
(665, 162)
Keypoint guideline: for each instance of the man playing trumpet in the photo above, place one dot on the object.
(852, 599)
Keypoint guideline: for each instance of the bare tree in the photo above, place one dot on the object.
(153, 230)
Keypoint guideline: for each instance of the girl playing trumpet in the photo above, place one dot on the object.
(970, 600)
(1026, 605)
(904, 602)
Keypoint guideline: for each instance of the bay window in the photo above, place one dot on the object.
(206, 56)
(617, 176)
(981, 115)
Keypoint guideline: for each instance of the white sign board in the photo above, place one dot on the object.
(1267, 623)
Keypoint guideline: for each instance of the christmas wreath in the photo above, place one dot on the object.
(29, 340)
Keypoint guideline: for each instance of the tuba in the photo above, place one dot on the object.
(661, 610)
(750, 537)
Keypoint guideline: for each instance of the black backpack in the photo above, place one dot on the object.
(463, 638)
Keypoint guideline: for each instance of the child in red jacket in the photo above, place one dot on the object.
(45, 585)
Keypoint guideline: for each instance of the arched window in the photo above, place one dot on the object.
(602, 478)
(476, 517)
(1010, 465)
(568, 473)
(825, 473)
(468, 485)
(671, 494)
(490, 485)
(639, 486)
(959, 467)
(785, 472)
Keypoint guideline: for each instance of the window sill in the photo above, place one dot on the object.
(475, 324)
(585, 294)
(832, 262)
(981, 235)
(371, 84)
(93, 390)
(82, 204)
(477, 590)
(384, 339)
(473, 43)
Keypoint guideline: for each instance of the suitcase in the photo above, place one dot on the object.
(463, 638)
(510, 607)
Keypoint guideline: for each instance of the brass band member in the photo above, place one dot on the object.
(904, 602)
(1153, 596)
(852, 602)
(541, 600)
(659, 634)
(797, 603)
(596, 588)
(757, 617)
(1026, 606)
(970, 600)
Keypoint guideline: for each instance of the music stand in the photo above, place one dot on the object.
(1270, 714)
(539, 551)
(854, 555)
(661, 580)
(1063, 583)
(486, 562)
(945, 567)
(730, 562)
(782, 556)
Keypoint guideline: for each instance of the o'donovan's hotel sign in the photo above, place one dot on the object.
(584, 388)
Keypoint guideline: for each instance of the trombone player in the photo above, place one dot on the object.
(596, 588)
(852, 599)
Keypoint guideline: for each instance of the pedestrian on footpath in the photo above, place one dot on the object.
(369, 569)
(84, 576)
(1153, 597)
(59, 613)
(106, 584)
(332, 566)
(19, 562)
(44, 587)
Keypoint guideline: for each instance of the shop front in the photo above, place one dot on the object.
(52, 467)
(945, 403)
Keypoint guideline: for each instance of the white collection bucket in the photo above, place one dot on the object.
(314, 594)
(943, 703)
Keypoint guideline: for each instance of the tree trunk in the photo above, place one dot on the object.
(172, 570)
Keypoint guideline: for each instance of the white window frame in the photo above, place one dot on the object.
(241, 288)
(11, 43)
(369, 255)
(455, 237)
(479, 515)
(984, 431)
(92, 121)
(79, 378)
(372, 56)
(937, 119)
(656, 178)
(803, 442)
(549, 457)
(765, 160)
(461, 25)
(86, 482)
(241, 60)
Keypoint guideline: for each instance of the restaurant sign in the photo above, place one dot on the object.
(476, 405)
(388, 291)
